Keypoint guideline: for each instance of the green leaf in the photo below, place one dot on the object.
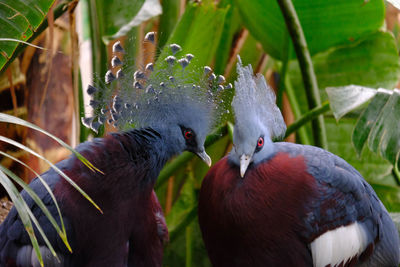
(168, 20)
(115, 17)
(198, 32)
(367, 120)
(373, 168)
(389, 195)
(231, 26)
(385, 134)
(325, 23)
(184, 206)
(371, 62)
(250, 53)
(346, 98)
(377, 123)
(185, 246)
(18, 20)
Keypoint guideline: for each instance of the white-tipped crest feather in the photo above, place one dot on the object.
(158, 94)
(254, 99)
(256, 117)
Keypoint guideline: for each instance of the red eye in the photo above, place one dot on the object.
(188, 134)
(260, 142)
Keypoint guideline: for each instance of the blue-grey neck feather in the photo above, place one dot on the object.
(256, 114)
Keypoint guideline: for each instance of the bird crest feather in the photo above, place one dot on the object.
(254, 102)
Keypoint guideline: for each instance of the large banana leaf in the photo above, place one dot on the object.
(372, 61)
(378, 125)
(375, 169)
(198, 32)
(19, 19)
(116, 18)
(325, 23)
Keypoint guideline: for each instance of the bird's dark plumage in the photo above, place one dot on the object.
(284, 204)
(132, 218)
(174, 116)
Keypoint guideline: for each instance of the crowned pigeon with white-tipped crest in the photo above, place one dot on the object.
(155, 124)
(285, 204)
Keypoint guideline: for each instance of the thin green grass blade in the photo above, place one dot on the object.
(12, 142)
(15, 120)
(189, 246)
(40, 204)
(22, 210)
(61, 232)
(230, 130)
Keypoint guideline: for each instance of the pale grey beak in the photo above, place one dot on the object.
(244, 163)
(205, 157)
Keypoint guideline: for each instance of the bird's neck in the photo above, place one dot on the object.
(160, 144)
(129, 161)
(168, 144)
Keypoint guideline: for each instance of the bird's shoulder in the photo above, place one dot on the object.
(342, 191)
(345, 213)
(327, 168)
(114, 155)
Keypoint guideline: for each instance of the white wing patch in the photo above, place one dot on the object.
(339, 245)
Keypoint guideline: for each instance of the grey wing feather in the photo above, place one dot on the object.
(346, 197)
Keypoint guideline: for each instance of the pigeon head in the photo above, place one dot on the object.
(257, 119)
(167, 95)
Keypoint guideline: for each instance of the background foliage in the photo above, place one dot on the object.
(36, 83)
